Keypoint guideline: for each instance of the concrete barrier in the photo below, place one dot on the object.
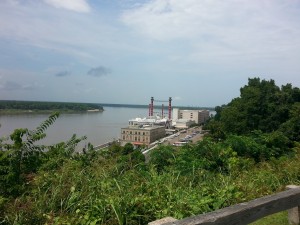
(247, 212)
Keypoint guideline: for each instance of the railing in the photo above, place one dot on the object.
(245, 213)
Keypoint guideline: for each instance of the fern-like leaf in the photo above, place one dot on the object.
(39, 132)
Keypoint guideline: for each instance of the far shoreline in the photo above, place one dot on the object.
(21, 111)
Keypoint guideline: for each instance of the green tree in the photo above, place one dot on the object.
(291, 128)
(162, 157)
(130, 159)
(22, 157)
(216, 129)
(59, 153)
(127, 149)
(261, 106)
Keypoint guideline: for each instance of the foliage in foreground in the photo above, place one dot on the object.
(280, 218)
(244, 158)
(116, 186)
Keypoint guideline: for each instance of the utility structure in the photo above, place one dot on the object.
(151, 107)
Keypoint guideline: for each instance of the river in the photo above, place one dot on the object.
(99, 127)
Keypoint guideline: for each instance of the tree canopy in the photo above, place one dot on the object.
(263, 106)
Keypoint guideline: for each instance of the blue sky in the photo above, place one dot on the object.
(200, 52)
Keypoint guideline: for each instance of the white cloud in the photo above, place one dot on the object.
(73, 5)
(224, 28)
(15, 86)
(192, 43)
(73, 34)
(177, 98)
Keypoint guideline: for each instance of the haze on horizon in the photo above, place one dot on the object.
(122, 51)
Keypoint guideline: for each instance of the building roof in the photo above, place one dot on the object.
(143, 127)
(150, 119)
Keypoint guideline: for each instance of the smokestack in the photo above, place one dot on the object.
(170, 107)
(152, 105)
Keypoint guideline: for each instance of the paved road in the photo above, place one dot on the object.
(189, 131)
(168, 141)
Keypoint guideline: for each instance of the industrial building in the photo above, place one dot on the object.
(144, 131)
(142, 134)
(151, 120)
(183, 118)
(182, 123)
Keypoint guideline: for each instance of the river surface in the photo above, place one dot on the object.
(99, 127)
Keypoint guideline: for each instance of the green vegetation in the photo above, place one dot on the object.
(56, 185)
(280, 218)
(7, 106)
(261, 106)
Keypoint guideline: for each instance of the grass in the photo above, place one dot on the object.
(280, 218)
(114, 189)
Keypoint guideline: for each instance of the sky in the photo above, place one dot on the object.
(199, 52)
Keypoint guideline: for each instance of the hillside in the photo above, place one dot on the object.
(240, 160)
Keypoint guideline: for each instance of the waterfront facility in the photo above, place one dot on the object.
(183, 118)
(151, 120)
(140, 135)
(144, 131)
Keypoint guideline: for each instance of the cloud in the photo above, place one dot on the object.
(63, 73)
(219, 28)
(29, 87)
(75, 35)
(99, 71)
(73, 5)
(11, 86)
(14, 86)
(80, 84)
(177, 98)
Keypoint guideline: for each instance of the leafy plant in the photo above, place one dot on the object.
(22, 157)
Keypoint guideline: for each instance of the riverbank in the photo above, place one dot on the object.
(20, 111)
(36, 107)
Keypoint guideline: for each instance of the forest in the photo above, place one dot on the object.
(252, 150)
(9, 106)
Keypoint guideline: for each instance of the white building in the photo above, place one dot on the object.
(140, 135)
(181, 116)
(183, 123)
(151, 120)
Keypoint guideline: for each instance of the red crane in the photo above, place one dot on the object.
(151, 106)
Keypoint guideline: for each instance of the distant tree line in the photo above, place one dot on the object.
(158, 106)
(36, 105)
